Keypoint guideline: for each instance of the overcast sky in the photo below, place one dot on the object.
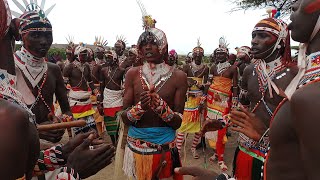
(183, 21)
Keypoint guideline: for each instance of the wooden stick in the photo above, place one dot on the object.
(62, 125)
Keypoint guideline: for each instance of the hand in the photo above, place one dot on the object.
(155, 98)
(197, 173)
(68, 148)
(88, 162)
(247, 123)
(145, 100)
(100, 109)
(53, 136)
(191, 82)
(210, 125)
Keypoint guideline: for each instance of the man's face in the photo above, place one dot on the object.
(197, 57)
(305, 14)
(188, 60)
(221, 57)
(37, 42)
(171, 60)
(69, 56)
(118, 48)
(109, 60)
(149, 50)
(132, 57)
(99, 55)
(262, 43)
(83, 56)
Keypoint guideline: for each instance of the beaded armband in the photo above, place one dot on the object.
(67, 173)
(235, 101)
(66, 118)
(264, 141)
(203, 99)
(135, 113)
(243, 94)
(164, 111)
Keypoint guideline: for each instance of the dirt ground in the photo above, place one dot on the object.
(107, 173)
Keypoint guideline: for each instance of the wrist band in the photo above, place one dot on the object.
(264, 140)
(164, 111)
(135, 113)
(66, 172)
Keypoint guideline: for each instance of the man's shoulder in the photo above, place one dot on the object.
(133, 71)
(53, 66)
(180, 75)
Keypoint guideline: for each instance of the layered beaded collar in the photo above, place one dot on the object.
(32, 67)
(221, 67)
(196, 68)
(156, 76)
(312, 72)
(266, 73)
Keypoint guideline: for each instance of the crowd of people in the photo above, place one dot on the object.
(148, 104)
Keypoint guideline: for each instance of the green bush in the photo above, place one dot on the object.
(57, 52)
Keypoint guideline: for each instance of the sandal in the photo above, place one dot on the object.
(194, 153)
(223, 166)
(213, 158)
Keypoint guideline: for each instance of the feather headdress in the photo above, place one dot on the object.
(198, 48)
(32, 6)
(100, 44)
(223, 46)
(147, 20)
(71, 46)
(121, 41)
(33, 17)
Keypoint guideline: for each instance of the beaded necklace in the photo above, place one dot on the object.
(222, 67)
(312, 71)
(39, 96)
(163, 75)
(195, 68)
(272, 68)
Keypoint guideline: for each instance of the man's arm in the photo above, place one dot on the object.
(305, 117)
(89, 79)
(179, 99)
(128, 98)
(235, 81)
(244, 86)
(102, 84)
(61, 91)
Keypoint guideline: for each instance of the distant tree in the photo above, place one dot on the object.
(56, 54)
(283, 5)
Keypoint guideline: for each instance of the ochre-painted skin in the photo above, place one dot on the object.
(294, 153)
(173, 92)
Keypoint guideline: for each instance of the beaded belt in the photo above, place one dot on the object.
(143, 144)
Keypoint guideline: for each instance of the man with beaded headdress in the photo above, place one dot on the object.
(197, 74)
(110, 101)
(19, 133)
(37, 79)
(79, 75)
(222, 96)
(293, 153)
(264, 79)
(119, 48)
(70, 51)
(153, 102)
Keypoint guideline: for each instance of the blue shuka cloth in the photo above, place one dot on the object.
(156, 135)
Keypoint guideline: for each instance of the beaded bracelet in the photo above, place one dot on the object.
(235, 101)
(264, 141)
(164, 111)
(135, 113)
(67, 173)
